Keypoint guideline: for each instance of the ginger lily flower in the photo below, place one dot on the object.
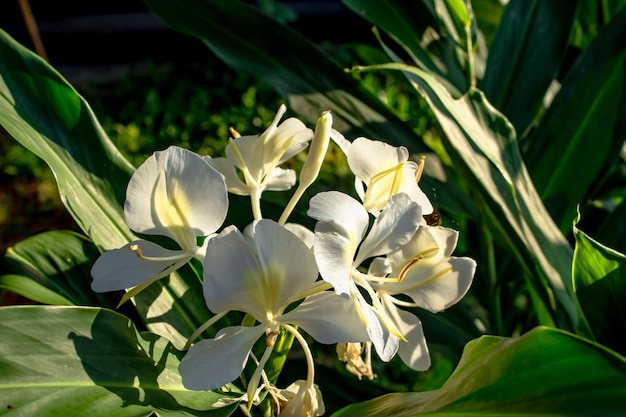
(257, 157)
(341, 246)
(176, 194)
(261, 272)
(382, 171)
(430, 276)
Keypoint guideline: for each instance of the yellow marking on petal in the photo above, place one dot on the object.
(378, 192)
(171, 206)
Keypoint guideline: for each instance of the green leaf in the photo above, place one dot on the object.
(90, 362)
(53, 268)
(299, 70)
(46, 115)
(600, 280)
(43, 112)
(545, 372)
(585, 126)
(526, 55)
(412, 24)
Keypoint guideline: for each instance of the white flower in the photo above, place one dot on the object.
(341, 246)
(176, 194)
(427, 272)
(261, 272)
(382, 171)
(258, 157)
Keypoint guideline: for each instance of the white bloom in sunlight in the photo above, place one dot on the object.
(382, 171)
(341, 246)
(176, 194)
(257, 157)
(261, 272)
(302, 400)
(430, 276)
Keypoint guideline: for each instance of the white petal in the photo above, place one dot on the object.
(369, 157)
(287, 262)
(437, 287)
(212, 363)
(334, 254)
(413, 352)
(231, 268)
(394, 227)
(225, 167)
(328, 318)
(343, 143)
(305, 235)
(429, 238)
(385, 343)
(342, 209)
(176, 193)
(280, 180)
(121, 268)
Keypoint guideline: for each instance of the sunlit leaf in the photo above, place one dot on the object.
(600, 280)
(90, 362)
(545, 372)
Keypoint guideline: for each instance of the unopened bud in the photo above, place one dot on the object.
(317, 150)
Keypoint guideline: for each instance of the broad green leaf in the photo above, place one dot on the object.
(299, 70)
(45, 114)
(545, 372)
(526, 55)
(600, 280)
(585, 126)
(412, 25)
(483, 145)
(53, 268)
(90, 362)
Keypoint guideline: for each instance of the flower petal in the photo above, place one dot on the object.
(342, 209)
(176, 193)
(280, 179)
(385, 343)
(212, 363)
(287, 262)
(226, 167)
(328, 318)
(435, 287)
(394, 227)
(123, 268)
(334, 254)
(367, 157)
(230, 267)
(413, 352)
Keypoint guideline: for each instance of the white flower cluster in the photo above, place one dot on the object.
(348, 279)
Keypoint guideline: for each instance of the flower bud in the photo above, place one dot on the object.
(317, 150)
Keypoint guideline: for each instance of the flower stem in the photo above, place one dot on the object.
(310, 377)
